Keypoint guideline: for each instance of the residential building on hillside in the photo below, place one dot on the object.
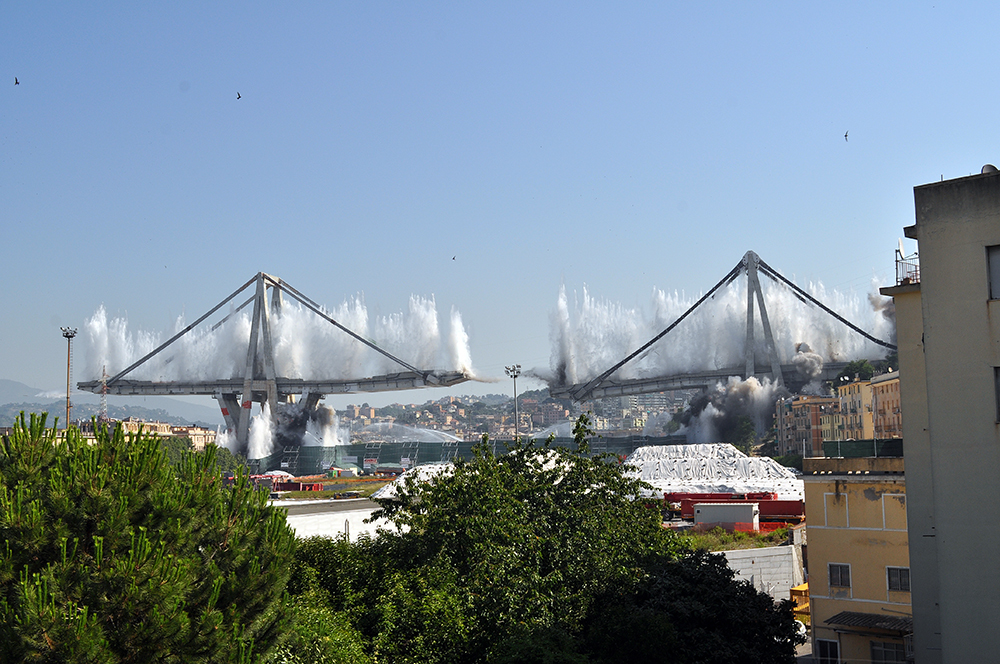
(859, 565)
(947, 310)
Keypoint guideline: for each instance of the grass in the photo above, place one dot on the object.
(718, 539)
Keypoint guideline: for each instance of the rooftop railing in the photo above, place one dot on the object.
(907, 269)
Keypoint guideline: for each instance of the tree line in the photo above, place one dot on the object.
(543, 554)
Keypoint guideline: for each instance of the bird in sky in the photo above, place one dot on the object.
(238, 96)
(16, 82)
(453, 257)
(845, 135)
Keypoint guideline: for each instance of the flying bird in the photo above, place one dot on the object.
(845, 135)
(453, 257)
(16, 82)
(238, 96)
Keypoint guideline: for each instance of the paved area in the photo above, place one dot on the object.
(803, 654)
(332, 518)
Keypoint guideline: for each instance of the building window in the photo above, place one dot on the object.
(996, 389)
(840, 575)
(827, 652)
(886, 651)
(899, 579)
(993, 261)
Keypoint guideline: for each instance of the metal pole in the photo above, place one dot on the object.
(69, 333)
(514, 371)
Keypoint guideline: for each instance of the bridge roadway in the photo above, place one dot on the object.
(406, 380)
(793, 380)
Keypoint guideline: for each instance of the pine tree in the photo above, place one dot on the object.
(108, 553)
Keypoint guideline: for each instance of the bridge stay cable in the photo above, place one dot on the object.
(295, 293)
(581, 394)
(180, 334)
(316, 309)
(779, 278)
(584, 391)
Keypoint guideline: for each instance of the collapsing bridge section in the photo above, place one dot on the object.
(258, 381)
(606, 385)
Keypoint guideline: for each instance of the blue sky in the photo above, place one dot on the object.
(621, 147)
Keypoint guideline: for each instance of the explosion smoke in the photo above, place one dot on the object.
(305, 346)
(594, 334)
(717, 415)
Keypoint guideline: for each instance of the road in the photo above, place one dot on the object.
(331, 518)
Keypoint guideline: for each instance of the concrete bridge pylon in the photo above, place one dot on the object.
(258, 381)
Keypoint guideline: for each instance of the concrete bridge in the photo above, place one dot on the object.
(788, 375)
(259, 382)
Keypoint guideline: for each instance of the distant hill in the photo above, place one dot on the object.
(15, 397)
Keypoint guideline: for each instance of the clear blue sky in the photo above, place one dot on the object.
(621, 146)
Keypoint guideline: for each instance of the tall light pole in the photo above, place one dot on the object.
(514, 371)
(69, 333)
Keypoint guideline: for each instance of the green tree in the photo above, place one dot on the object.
(744, 435)
(542, 554)
(176, 448)
(492, 554)
(110, 554)
(863, 369)
(692, 610)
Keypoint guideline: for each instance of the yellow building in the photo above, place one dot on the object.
(855, 419)
(887, 414)
(859, 564)
(828, 420)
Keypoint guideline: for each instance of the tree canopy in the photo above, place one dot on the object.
(542, 554)
(112, 554)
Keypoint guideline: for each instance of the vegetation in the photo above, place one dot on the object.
(790, 461)
(744, 435)
(719, 539)
(863, 369)
(538, 555)
(112, 554)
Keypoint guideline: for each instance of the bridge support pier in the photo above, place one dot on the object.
(751, 261)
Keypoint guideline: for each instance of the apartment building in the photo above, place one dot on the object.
(947, 310)
(887, 414)
(798, 425)
(855, 421)
(859, 565)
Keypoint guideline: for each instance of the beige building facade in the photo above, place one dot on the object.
(855, 421)
(948, 333)
(859, 569)
(887, 413)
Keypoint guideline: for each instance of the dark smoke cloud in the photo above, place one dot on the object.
(810, 366)
(716, 415)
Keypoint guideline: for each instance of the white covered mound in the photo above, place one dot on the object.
(422, 473)
(711, 468)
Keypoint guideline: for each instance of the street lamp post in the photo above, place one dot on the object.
(514, 371)
(69, 333)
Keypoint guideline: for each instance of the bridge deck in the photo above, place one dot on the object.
(399, 381)
(700, 380)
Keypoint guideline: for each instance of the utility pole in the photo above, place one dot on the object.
(514, 371)
(69, 333)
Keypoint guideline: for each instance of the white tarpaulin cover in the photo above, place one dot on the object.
(712, 468)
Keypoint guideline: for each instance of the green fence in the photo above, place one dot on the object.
(892, 447)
